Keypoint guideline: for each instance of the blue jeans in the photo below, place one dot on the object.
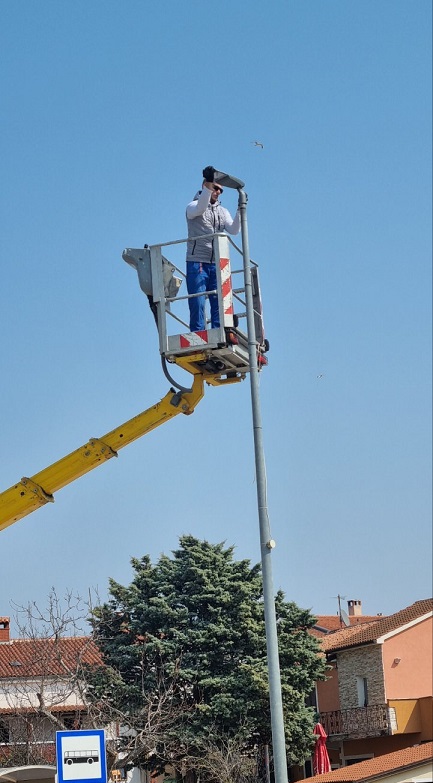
(201, 277)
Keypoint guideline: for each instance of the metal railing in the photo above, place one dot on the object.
(237, 292)
(372, 721)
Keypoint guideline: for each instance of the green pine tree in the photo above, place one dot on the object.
(186, 639)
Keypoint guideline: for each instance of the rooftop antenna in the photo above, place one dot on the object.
(344, 617)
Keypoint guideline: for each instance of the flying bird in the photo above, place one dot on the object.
(257, 144)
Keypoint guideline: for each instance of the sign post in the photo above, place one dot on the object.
(81, 756)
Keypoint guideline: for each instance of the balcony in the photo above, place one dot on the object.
(374, 721)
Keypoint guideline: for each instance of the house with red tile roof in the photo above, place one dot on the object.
(40, 692)
(410, 765)
(378, 695)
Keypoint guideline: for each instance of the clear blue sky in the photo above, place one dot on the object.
(109, 113)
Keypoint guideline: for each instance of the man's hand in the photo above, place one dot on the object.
(209, 173)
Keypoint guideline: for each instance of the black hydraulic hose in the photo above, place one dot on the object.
(182, 389)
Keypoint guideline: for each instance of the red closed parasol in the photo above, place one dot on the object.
(321, 763)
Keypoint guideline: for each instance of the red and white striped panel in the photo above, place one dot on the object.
(227, 292)
(193, 339)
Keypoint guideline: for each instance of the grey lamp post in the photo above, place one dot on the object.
(266, 542)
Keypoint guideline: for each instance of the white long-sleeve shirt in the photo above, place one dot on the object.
(203, 217)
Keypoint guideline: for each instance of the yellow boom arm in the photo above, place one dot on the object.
(31, 493)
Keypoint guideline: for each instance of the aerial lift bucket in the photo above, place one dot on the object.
(220, 354)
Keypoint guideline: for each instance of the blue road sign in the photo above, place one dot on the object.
(81, 756)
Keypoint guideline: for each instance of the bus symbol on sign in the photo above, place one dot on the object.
(80, 757)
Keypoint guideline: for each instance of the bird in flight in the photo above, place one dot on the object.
(257, 144)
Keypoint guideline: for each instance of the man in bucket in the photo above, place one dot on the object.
(205, 215)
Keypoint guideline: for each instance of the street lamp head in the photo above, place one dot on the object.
(227, 181)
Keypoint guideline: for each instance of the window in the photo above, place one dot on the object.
(361, 684)
(311, 699)
(4, 731)
(71, 720)
(349, 760)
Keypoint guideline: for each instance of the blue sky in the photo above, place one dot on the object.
(109, 113)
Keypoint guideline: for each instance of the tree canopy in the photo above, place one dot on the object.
(185, 642)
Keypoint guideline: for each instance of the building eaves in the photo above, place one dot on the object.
(62, 708)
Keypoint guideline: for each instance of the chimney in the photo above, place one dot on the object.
(4, 629)
(355, 608)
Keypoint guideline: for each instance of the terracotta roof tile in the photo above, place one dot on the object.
(371, 769)
(370, 631)
(33, 657)
(331, 622)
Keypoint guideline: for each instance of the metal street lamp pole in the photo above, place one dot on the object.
(266, 542)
